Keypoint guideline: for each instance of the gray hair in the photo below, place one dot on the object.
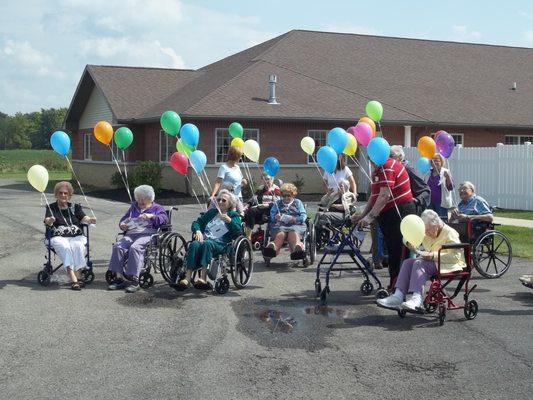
(344, 183)
(228, 187)
(232, 200)
(468, 184)
(397, 152)
(431, 218)
(145, 192)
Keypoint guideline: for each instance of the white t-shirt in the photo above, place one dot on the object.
(232, 176)
(334, 179)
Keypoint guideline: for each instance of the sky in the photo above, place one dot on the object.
(45, 45)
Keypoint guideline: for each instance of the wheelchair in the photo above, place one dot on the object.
(236, 261)
(308, 240)
(437, 299)
(327, 232)
(491, 250)
(163, 251)
(44, 276)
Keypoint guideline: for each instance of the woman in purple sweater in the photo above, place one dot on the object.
(140, 222)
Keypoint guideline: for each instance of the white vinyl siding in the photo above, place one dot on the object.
(96, 110)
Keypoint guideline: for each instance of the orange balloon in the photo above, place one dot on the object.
(368, 121)
(426, 147)
(103, 132)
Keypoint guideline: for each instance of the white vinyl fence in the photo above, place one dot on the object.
(503, 175)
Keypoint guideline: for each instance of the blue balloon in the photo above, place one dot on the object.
(60, 142)
(423, 165)
(198, 160)
(327, 158)
(378, 151)
(271, 166)
(338, 139)
(190, 134)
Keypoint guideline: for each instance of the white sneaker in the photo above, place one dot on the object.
(414, 304)
(392, 302)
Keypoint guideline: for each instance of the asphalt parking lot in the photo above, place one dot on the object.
(269, 340)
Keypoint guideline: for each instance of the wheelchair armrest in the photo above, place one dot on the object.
(455, 246)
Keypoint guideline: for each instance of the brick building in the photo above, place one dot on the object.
(481, 94)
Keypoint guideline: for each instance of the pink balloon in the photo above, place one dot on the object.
(363, 133)
(179, 162)
(351, 130)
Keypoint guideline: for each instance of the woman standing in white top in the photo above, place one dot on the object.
(230, 173)
(332, 181)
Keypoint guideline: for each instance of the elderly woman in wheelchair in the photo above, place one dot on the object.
(213, 232)
(64, 222)
(287, 223)
(139, 223)
(415, 272)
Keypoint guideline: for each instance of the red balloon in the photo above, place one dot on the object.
(179, 162)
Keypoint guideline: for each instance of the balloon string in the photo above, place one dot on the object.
(316, 165)
(207, 179)
(380, 131)
(360, 167)
(120, 172)
(390, 191)
(125, 170)
(79, 184)
(47, 204)
(250, 178)
(194, 192)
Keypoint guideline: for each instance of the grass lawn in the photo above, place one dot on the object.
(12, 161)
(521, 240)
(514, 214)
(53, 175)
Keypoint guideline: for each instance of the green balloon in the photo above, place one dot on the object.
(374, 110)
(171, 122)
(236, 130)
(123, 138)
(184, 148)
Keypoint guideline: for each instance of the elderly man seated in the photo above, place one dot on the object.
(472, 208)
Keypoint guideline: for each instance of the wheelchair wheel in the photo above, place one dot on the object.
(222, 285)
(367, 288)
(43, 278)
(171, 256)
(110, 276)
(146, 280)
(242, 263)
(402, 313)
(442, 314)
(492, 254)
(87, 275)
(430, 308)
(382, 293)
(471, 309)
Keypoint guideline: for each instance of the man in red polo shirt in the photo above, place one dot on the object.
(390, 200)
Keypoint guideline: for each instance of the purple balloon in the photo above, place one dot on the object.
(445, 144)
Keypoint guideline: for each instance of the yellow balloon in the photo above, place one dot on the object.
(308, 145)
(351, 146)
(237, 142)
(413, 229)
(38, 177)
(251, 150)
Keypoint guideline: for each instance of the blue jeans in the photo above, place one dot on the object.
(443, 212)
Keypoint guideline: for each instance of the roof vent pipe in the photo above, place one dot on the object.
(272, 79)
(514, 86)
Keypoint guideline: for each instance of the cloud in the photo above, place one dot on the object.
(23, 55)
(461, 33)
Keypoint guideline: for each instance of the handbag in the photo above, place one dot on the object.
(445, 194)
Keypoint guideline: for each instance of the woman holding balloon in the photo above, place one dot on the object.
(441, 185)
(230, 173)
(415, 272)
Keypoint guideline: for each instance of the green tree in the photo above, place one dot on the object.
(17, 136)
(50, 120)
(3, 129)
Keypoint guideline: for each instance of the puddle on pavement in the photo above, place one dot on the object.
(326, 311)
(277, 321)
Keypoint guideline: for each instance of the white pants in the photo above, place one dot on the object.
(71, 250)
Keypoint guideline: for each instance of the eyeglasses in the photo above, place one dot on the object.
(222, 200)
(62, 193)
(286, 195)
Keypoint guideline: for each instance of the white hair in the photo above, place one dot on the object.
(431, 218)
(144, 192)
(227, 187)
(468, 184)
(397, 152)
(232, 198)
(344, 183)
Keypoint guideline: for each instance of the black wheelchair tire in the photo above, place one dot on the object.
(486, 254)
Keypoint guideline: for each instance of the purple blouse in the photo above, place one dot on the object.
(160, 215)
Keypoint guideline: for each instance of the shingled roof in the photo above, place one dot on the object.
(331, 76)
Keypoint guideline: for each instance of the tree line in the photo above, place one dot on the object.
(30, 130)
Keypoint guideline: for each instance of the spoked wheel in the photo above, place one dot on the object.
(43, 278)
(492, 254)
(171, 256)
(242, 265)
(87, 275)
(110, 277)
(442, 314)
(367, 288)
(471, 309)
(146, 280)
(222, 285)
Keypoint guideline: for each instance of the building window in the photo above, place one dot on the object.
(87, 146)
(167, 146)
(517, 139)
(320, 140)
(223, 140)
(458, 138)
